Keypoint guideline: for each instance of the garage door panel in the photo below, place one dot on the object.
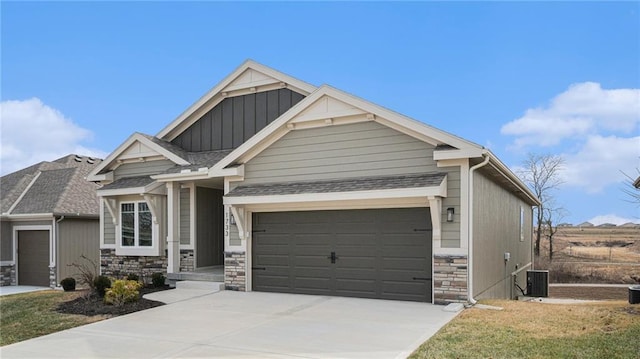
(378, 252)
(33, 257)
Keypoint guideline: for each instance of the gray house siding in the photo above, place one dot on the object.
(185, 216)
(235, 120)
(209, 221)
(6, 241)
(77, 237)
(142, 169)
(496, 230)
(109, 228)
(355, 150)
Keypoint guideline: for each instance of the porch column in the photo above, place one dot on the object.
(173, 234)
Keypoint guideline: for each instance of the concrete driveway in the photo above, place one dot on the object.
(249, 325)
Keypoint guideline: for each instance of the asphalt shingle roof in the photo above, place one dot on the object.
(344, 185)
(129, 182)
(51, 187)
(201, 159)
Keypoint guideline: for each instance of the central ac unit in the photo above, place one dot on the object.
(538, 283)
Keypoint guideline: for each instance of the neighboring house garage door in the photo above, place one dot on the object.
(375, 253)
(33, 258)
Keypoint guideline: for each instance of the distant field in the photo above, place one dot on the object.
(593, 255)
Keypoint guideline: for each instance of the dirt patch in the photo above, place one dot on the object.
(89, 304)
(590, 293)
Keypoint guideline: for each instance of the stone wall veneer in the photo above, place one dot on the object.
(449, 279)
(8, 275)
(112, 265)
(235, 271)
(187, 260)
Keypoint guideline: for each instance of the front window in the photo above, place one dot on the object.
(136, 224)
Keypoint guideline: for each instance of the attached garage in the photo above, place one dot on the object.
(33, 257)
(370, 253)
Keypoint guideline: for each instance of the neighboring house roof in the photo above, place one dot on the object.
(585, 224)
(348, 185)
(56, 187)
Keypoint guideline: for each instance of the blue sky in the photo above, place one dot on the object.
(560, 78)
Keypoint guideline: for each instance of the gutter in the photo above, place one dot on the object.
(470, 298)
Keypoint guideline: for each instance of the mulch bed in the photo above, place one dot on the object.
(90, 304)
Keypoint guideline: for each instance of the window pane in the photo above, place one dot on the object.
(144, 225)
(128, 238)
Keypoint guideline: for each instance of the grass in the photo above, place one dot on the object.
(30, 315)
(537, 330)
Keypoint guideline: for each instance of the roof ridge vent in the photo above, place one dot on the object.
(90, 160)
(78, 158)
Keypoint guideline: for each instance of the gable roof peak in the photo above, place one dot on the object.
(250, 77)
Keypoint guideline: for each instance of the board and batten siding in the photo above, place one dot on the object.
(496, 230)
(356, 150)
(6, 241)
(109, 230)
(185, 216)
(77, 238)
(137, 169)
(235, 120)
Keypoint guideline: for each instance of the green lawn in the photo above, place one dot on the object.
(30, 315)
(537, 330)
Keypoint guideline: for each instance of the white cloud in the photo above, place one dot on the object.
(612, 218)
(584, 108)
(601, 161)
(32, 132)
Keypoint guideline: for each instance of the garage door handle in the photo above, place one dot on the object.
(259, 268)
(333, 257)
(421, 278)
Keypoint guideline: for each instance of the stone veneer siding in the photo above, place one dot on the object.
(449, 279)
(53, 280)
(112, 265)
(8, 275)
(187, 260)
(235, 271)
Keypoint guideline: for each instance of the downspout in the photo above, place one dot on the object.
(471, 300)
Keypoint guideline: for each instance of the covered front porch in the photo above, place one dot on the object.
(195, 230)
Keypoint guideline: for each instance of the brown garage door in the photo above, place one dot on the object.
(33, 258)
(376, 253)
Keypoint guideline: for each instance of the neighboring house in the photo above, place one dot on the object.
(49, 219)
(272, 184)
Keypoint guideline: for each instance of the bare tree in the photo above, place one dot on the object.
(552, 217)
(542, 174)
(632, 188)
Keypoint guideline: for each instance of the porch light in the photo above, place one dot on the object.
(450, 212)
(232, 219)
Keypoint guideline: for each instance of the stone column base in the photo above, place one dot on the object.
(235, 271)
(449, 279)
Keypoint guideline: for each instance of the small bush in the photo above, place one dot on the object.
(68, 284)
(157, 279)
(122, 291)
(133, 276)
(101, 284)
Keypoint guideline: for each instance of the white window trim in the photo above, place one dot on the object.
(153, 250)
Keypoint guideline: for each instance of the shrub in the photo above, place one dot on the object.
(157, 279)
(68, 284)
(101, 284)
(87, 271)
(133, 276)
(122, 291)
